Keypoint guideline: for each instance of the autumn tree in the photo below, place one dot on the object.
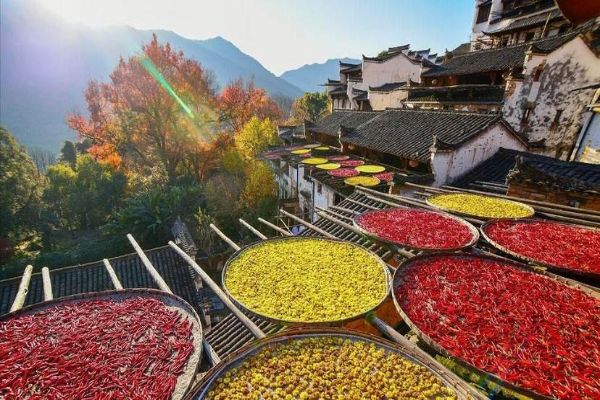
(310, 107)
(255, 137)
(157, 110)
(241, 101)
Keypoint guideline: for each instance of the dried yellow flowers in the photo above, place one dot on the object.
(307, 280)
(328, 368)
(480, 206)
(362, 181)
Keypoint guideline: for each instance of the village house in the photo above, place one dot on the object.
(501, 23)
(360, 85)
(446, 144)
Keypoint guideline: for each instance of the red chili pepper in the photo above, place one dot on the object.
(95, 349)
(526, 328)
(416, 228)
(567, 246)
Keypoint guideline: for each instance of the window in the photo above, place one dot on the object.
(504, 41)
(319, 188)
(526, 114)
(529, 36)
(483, 12)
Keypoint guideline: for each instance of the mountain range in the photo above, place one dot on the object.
(46, 64)
(310, 77)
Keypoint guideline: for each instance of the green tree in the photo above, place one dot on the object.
(20, 189)
(310, 107)
(83, 197)
(68, 153)
(255, 137)
(149, 215)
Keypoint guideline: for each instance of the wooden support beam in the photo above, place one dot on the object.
(211, 354)
(275, 227)
(23, 289)
(160, 282)
(308, 225)
(219, 292)
(113, 276)
(253, 229)
(47, 283)
(230, 242)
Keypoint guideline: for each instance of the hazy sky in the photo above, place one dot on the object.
(286, 34)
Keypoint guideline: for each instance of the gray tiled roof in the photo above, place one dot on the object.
(547, 171)
(330, 124)
(501, 59)
(525, 22)
(386, 87)
(406, 133)
(93, 277)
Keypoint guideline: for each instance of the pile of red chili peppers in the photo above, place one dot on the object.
(548, 242)
(416, 228)
(343, 172)
(102, 349)
(528, 329)
(351, 163)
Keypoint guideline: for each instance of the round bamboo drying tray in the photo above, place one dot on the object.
(187, 377)
(201, 389)
(474, 233)
(338, 322)
(551, 267)
(397, 279)
(527, 207)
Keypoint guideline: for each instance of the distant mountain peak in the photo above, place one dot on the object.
(35, 101)
(309, 77)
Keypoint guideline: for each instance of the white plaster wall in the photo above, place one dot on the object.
(396, 69)
(324, 199)
(571, 66)
(449, 165)
(383, 100)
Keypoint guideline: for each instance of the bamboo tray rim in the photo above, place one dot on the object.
(551, 267)
(397, 280)
(187, 377)
(474, 232)
(466, 214)
(234, 256)
(203, 386)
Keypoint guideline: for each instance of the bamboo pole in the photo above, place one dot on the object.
(308, 225)
(160, 282)
(353, 212)
(47, 283)
(259, 334)
(224, 237)
(253, 229)
(113, 276)
(23, 289)
(363, 205)
(275, 227)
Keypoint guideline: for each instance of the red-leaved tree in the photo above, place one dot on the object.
(158, 110)
(239, 102)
